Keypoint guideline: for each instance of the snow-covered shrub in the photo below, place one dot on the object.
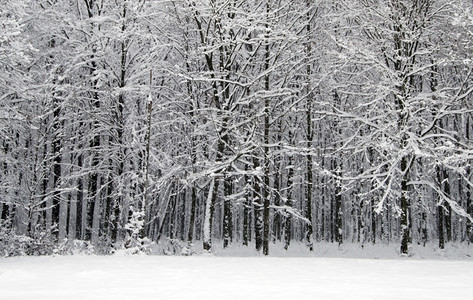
(134, 243)
(137, 246)
(74, 247)
(169, 246)
(188, 250)
(12, 244)
(39, 243)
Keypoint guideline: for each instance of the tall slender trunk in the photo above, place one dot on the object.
(360, 221)
(373, 220)
(193, 157)
(257, 207)
(172, 214)
(209, 212)
(337, 164)
(338, 209)
(57, 161)
(265, 188)
(405, 209)
(144, 205)
(469, 204)
(469, 210)
(227, 213)
(441, 233)
(246, 210)
(95, 142)
(190, 232)
(323, 188)
(288, 221)
(92, 189)
(277, 200)
(309, 134)
(117, 201)
(72, 222)
(448, 217)
(80, 228)
(182, 214)
(64, 203)
(310, 230)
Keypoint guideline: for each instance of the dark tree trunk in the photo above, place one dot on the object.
(309, 134)
(405, 234)
(338, 214)
(360, 221)
(172, 214)
(107, 226)
(182, 214)
(227, 214)
(246, 211)
(469, 210)
(92, 192)
(277, 203)
(265, 188)
(80, 198)
(469, 204)
(424, 235)
(373, 221)
(190, 232)
(332, 218)
(323, 228)
(57, 159)
(257, 208)
(448, 217)
(288, 221)
(441, 233)
(5, 213)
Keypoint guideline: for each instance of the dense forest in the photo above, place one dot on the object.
(235, 121)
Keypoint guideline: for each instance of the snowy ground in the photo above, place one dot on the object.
(456, 251)
(211, 277)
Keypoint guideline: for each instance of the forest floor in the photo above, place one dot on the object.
(458, 251)
(442, 275)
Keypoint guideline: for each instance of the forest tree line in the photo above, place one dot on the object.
(238, 121)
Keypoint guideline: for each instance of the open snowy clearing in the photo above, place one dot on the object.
(204, 277)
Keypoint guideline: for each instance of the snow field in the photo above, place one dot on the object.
(210, 277)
